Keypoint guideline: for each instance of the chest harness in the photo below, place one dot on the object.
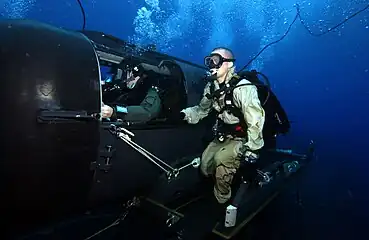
(220, 128)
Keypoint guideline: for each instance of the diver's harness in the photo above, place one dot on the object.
(170, 171)
(239, 130)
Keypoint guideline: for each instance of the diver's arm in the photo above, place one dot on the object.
(194, 114)
(147, 110)
(246, 98)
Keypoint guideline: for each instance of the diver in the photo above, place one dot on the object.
(236, 138)
(140, 103)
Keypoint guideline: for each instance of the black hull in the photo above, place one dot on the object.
(52, 90)
(130, 173)
(45, 166)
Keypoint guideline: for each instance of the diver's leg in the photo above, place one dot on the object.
(227, 162)
(207, 165)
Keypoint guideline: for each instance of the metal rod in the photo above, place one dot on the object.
(122, 135)
(130, 143)
(185, 166)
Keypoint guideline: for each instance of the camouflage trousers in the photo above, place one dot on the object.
(223, 160)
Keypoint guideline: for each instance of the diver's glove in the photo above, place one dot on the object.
(182, 116)
(247, 155)
(251, 157)
(249, 164)
(178, 117)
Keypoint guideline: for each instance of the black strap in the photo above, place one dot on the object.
(230, 107)
(216, 94)
(212, 88)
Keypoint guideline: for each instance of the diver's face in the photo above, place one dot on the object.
(131, 80)
(223, 69)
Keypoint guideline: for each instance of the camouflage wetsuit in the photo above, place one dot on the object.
(223, 158)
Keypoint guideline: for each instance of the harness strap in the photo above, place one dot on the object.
(240, 128)
(231, 108)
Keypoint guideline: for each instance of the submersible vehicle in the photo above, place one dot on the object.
(62, 161)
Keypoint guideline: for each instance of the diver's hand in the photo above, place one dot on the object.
(249, 160)
(182, 116)
(177, 117)
(106, 111)
(244, 153)
(251, 157)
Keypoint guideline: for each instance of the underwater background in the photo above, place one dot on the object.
(322, 81)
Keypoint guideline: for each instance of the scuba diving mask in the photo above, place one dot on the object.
(216, 60)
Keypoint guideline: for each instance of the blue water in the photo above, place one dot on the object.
(323, 82)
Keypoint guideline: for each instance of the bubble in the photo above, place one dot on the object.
(170, 25)
(17, 8)
(153, 4)
(155, 26)
(214, 18)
